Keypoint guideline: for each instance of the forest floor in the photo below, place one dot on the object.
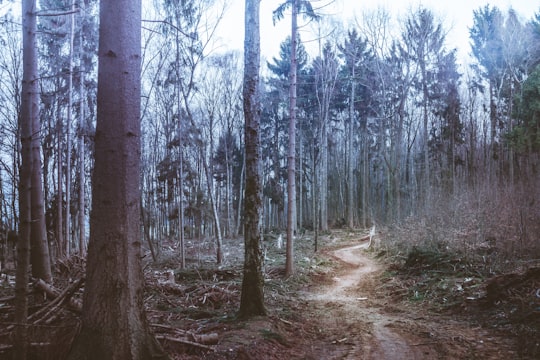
(344, 302)
(347, 303)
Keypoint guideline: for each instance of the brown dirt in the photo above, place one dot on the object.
(371, 326)
(346, 309)
(343, 303)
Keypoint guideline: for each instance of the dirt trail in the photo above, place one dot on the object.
(380, 341)
(363, 325)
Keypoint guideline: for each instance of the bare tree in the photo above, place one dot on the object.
(252, 298)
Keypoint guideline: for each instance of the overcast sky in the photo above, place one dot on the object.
(457, 16)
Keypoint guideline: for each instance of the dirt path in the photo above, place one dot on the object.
(360, 324)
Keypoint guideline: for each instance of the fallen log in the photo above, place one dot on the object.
(48, 313)
(206, 339)
(53, 293)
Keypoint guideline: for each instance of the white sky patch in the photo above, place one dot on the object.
(456, 15)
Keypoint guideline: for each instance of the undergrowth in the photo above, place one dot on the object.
(476, 255)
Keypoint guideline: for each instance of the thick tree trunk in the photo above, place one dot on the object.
(114, 324)
(252, 297)
(29, 106)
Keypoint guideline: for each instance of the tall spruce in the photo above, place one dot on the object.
(304, 7)
(29, 108)
(114, 324)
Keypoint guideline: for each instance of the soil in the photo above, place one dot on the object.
(342, 306)
(344, 302)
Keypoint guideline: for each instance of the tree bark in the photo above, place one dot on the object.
(61, 246)
(252, 297)
(41, 266)
(68, 128)
(291, 158)
(29, 105)
(114, 324)
(350, 139)
(82, 175)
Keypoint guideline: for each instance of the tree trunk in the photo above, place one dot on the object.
(324, 170)
(29, 106)
(180, 162)
(114, 324)
(240, 197)
(82, 177)
(350, 161)
(68, 129)
(300, 217)
(291, 166)
(181, 220)
(425, 133)
(252, 297)
(62, 247)
(213, 204)
(41, 266)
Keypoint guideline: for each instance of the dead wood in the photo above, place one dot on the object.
(501, 287)
(184, 341)
(207, 339)
(7, 299)
(53, 293)
(186, 337)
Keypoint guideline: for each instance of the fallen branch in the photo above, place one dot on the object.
(285, 321)
(185, 342)
(55, 304)
(53, 293)
(208, 339)
(7, 299)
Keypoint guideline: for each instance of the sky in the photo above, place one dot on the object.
(457, 17)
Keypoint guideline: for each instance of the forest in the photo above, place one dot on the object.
(382, 127)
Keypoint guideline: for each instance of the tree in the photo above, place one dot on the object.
(296, 7)
(326, 73)
(10, 103)
(424, 41)
(41, 266)
(525, 136)
(252, 298)
(274, 126)
(29, 109)
(114, 324)
(448, 109)
(486, 45)
(357, 58)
